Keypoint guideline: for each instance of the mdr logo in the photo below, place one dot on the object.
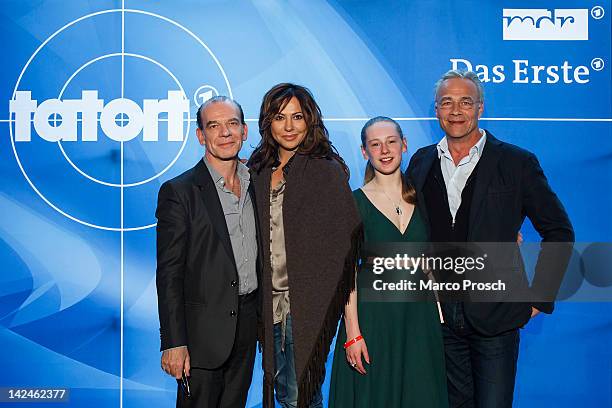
(548, 26)
(109, 119)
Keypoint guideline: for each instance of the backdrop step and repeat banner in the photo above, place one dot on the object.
(99, 101)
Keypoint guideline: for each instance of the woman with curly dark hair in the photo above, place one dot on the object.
(309, 218)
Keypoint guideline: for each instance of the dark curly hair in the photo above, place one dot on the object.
(315, 144)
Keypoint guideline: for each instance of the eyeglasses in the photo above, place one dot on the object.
(464, 104)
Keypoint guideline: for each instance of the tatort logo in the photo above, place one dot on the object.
(545, 24)
(112, 120)
(120, 119)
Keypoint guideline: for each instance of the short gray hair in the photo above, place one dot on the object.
(454, 73)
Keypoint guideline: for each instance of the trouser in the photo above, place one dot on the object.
(285, 383)
(228, 385)
(480, 370)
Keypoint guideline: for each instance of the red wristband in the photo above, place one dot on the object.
(353, 341)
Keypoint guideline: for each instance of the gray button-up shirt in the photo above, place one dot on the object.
(240, 220)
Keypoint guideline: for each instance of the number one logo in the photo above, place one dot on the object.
(597, 12)
(204, 93)
(597, 64)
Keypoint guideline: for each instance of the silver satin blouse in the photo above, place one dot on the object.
(278, 257)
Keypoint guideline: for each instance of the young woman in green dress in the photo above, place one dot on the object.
(388, 354)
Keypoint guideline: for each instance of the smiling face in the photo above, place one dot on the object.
(223, 131)
(458, 108)
(383, 147)
(289, 127)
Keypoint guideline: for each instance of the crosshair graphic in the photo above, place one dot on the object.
(122, 54)
(55, 120)
(122, 120)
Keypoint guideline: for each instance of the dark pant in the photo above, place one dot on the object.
(228, 385)
(285, 383)
(480, 370)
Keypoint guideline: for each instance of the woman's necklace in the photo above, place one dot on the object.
(398, 208)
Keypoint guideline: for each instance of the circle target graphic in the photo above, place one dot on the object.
(178, 83)
(121, 121)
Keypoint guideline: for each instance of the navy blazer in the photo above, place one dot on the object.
(510, 186)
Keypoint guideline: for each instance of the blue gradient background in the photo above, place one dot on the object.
(60, 286)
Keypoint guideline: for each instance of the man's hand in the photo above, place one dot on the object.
(534, 311)
(175, 360)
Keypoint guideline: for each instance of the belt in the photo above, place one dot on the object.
(247, 297)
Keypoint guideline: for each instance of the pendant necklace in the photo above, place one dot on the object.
(398, 209)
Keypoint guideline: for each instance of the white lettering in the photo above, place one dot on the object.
(377, 268)
(55, 120)
(466, 64)
(498, 72)
(90, 107)
(483, 73)
(121, 119)
(566, 68)
(553, 77)
(518, 70)
(536, 73)
(581, 70)
(23, 107)
(484, 286)
(439, 286)
(112, 113)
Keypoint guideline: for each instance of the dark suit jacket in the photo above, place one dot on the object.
(509, 186)
(197, 278)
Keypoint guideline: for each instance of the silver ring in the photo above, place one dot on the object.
(354, 365)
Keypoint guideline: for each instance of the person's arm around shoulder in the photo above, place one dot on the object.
(415, 160)
(172, 228)
(548, 216)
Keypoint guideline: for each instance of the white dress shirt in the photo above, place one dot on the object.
(455, 177)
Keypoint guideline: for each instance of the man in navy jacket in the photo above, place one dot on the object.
(473, 187)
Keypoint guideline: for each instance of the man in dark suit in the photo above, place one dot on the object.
(207, 267)
(473, 187)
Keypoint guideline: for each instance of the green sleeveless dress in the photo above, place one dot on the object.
(404, 339)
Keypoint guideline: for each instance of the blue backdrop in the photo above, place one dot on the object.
(77, 240)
